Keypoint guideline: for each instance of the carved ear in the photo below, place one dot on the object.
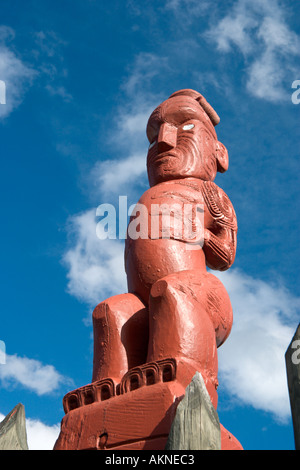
(222, 157)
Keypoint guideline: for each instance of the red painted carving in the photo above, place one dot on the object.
(149, 342)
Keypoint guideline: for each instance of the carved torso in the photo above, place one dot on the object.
(164, 248)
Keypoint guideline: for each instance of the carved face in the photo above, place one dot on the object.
(183, 142)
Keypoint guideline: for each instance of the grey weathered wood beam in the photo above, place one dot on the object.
(13, 434)
(292, 360)
(196, 424)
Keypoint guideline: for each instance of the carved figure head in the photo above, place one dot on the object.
(183, 140)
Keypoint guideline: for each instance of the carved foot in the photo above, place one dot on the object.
(137, 377)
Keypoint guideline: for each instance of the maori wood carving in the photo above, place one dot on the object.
(150, 341)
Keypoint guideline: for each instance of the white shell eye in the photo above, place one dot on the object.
(187, 127)
(152, 144)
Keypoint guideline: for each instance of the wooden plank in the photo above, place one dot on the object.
(196, 425)
(13, 430)
(292, 360)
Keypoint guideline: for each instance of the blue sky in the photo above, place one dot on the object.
(81, 79)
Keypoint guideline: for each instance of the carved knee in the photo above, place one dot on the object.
(111, 312)
(164, 286)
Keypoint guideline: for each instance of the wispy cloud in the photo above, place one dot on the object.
(30, 374)
(48, 42)
(59, 91)
(259, 30)
(188, 10)
(46, 68)
(49, 56)
(6, 33)
(137, 83)
(14, 72)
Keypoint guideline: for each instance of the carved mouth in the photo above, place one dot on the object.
(164, 157)
(158, 158)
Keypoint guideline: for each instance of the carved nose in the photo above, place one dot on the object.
(167, 137)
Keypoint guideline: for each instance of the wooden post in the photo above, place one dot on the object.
(292, 360)
(196, 424)
(13, 430)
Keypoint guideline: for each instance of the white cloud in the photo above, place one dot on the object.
(259, 30)
(276, 34)
(233, 29)
(251, 361)
(95, 267)
(116, 176)
(15, 73)
(266, 77)
(40, 436)
(31, 374)
(131, 129)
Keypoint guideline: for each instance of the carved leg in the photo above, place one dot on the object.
(120, 336)
(190, 316)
